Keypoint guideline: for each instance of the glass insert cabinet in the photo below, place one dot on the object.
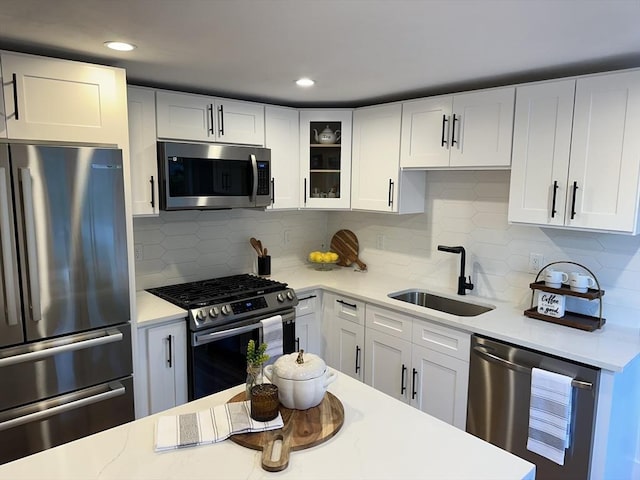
(325, 152)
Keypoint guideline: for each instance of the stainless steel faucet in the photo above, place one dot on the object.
(463, 285)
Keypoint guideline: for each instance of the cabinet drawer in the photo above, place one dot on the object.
(349, 309)
(306, 304)
(442, 339)
(389, 322)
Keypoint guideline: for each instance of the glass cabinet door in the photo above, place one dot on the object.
(326, 158)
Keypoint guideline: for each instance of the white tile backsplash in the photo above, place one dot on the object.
(467, 208)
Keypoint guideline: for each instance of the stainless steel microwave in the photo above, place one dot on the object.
(198, 176)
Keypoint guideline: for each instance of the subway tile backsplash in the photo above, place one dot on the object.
(467, 208)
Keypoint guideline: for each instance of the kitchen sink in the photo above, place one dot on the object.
(442, 304)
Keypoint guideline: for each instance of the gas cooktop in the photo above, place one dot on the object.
(223, 300)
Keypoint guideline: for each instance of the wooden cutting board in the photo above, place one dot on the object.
(302, 429)
(345, 244)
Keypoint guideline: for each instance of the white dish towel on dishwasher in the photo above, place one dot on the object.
(272, 336)
(550, 414)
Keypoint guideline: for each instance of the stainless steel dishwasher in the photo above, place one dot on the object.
(498, 407)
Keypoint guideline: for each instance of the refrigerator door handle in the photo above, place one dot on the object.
(102, 338)
(32, 252)
(77, 401)
(5, 237)
(522, 369)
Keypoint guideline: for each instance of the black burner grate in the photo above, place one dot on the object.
(217, 290)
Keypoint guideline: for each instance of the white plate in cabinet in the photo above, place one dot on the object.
(389, 322)
(61, 100)
(467, 130)
(448, 341)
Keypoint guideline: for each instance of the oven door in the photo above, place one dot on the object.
(218, 356)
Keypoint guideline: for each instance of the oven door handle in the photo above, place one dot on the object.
(204, 338)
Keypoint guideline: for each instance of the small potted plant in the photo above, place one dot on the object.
(263, 396)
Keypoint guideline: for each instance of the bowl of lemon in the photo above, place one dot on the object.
(323, 260)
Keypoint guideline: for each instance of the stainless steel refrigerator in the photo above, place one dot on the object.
(65, 334)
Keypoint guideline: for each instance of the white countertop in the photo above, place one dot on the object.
(381, 438)
(610, 348)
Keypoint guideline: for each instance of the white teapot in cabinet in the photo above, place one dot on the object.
(327, 135)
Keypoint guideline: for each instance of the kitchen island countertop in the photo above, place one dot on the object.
(381, 438)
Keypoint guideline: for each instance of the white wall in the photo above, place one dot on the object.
(191, 245)
(470, 209)
(463, 208)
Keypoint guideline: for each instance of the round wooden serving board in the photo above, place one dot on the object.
(345, 244)
(302, 429)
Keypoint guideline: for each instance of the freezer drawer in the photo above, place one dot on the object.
(45, 424)
(51, 367)
(499, 398)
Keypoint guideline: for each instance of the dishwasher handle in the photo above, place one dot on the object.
(521, 368)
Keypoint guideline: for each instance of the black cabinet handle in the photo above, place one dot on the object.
(553, 201)
(390, 192)
(306, 298)
(352, 305)
(453, 130)
(305, 191)
(413, 384)
(403, 387)
(15, 96)
(211, 119)
(573, 201)
(357, 358)
(221, 119)
(153, 193)
(443, 140)
(170, 359)
(273, 190)
(297, 344)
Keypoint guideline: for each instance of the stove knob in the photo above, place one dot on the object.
(226, 309)
(213, 312)
(290, 295)
(201, 315)
(280, 297)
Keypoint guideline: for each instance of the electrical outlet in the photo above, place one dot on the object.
(380, 242)
(535, 262)
(286, 237)
(137, 251)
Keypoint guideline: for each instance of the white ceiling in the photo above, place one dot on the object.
(358, 51)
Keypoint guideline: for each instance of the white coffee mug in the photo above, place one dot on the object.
(579, 282)
(555, 278)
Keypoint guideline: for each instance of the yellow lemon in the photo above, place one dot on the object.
(333, 256)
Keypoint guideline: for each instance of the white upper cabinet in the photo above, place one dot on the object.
(282, 136)
(142, 150)
(183, 116)
(604, 167)
(325, 158)
(377, 183)
(541, 146)
(60, 100)
(577, 163)
(467, 130)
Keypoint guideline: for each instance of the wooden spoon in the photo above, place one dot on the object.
(256, 245)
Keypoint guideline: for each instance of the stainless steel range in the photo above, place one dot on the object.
(224, 314)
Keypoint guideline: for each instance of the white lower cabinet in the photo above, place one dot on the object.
(419, 363)
(308, 332)
(163, 359)
(344, 318)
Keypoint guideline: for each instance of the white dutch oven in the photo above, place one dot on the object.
(301, 378)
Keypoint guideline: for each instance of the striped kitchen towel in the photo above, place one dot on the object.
(550, 414)
(209, 426)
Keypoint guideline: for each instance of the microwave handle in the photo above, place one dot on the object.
(254, 188)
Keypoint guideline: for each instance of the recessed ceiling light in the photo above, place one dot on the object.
(120, 46)
(305, 82)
